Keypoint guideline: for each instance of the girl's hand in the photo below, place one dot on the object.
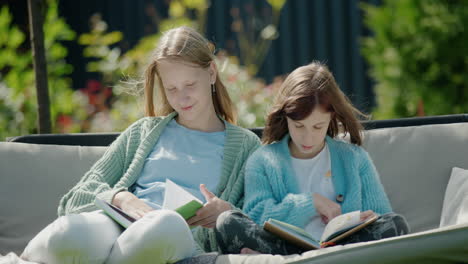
(249, 251)
(326, 208)
(367, 214)
(207, 215)
(131, 205)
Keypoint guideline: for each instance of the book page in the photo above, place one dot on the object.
(291, 233)
(176, 196)
(293, 228)
(341, 222)
(115, 213)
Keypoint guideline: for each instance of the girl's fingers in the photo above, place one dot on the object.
(205, 221)
(337, 212)
(248, 251)
(209, 210)
(367, 214)
(134, 215)
(197, 218)
(210, 225)
(147, 210)
(332, 213)
(140, 213)
(324, 219)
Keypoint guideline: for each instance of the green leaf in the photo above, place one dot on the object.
(277, 5)
(176, 9)
(195, 4)
(111, 38)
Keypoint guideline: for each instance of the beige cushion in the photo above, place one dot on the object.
(414, 165)
(33, 179)
(440, 246)
(455, 208)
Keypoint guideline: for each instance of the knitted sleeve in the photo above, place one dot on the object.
(237, 190)
(373, 194)
(102, 176)
(205, 237)
(264, 200)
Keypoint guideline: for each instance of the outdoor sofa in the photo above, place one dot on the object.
(414, 157)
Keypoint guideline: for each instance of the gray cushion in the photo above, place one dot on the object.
(440, 246)
(33, 179)
(455, 208)
(415, 165)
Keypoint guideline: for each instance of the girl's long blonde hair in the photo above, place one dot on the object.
(304, 89)
(185, 45)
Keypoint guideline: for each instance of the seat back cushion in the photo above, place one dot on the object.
(33, 178)
(415, 164)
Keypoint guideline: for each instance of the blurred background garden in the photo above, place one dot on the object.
(393, 58)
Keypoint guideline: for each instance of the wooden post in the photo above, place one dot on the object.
(36, 20)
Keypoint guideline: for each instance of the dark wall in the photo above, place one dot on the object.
(324, 30)
(134, 19)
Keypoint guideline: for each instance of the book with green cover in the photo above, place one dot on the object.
(180, 200)
(189, 209)
(175, 198)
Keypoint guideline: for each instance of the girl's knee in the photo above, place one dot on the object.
(77, 235)
(399, 221)
(67, 232)
(162, 225)
(401, 225)
(162, 236)
(162, 220)
(229, 220)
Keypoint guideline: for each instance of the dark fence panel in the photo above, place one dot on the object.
(324, 30)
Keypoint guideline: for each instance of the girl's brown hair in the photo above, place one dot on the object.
(304, 89)
(185, 45)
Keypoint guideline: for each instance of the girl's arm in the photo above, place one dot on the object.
(373, 194)
(262, 201)
(101, 179)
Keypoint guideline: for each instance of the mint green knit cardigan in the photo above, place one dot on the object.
(121, 165)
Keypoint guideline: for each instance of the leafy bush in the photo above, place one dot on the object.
(115, 101)
(122, 71)
(418, 57)
(18, 104)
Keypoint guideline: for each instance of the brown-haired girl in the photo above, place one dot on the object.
(188, 137)
(305, 176)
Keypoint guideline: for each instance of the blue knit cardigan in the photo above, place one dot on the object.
(272, 191)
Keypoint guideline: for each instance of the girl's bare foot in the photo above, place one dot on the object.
(249, 251)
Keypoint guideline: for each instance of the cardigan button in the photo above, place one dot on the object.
(340, 198)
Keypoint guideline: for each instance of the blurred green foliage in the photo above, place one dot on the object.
(255, 32)
(115, 101)
(123, 70)
(18, 103)
(418, 55)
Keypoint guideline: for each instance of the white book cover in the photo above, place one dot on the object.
(176, 196)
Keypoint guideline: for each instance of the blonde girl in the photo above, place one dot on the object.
(188, 136)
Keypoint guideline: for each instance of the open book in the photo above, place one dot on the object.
(175, 198)
(338, 228)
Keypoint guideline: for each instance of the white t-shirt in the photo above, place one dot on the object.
(314, 176)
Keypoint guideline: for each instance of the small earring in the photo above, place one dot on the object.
(213, 88)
